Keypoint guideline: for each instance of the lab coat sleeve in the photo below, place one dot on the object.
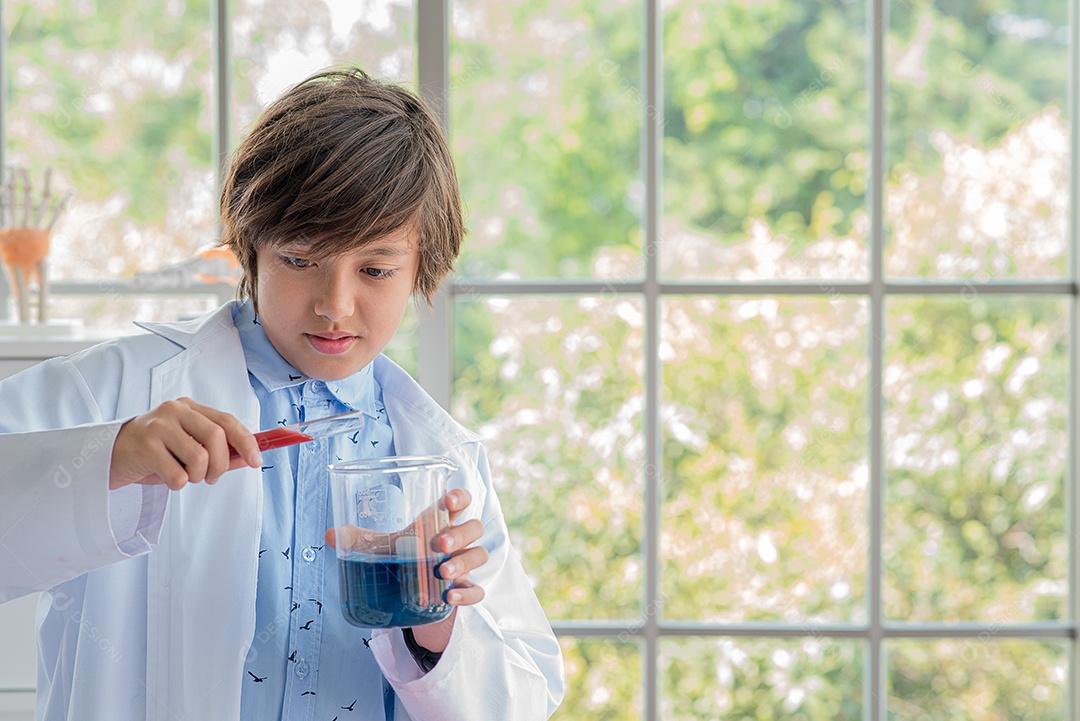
(502, 661)
(58, 518)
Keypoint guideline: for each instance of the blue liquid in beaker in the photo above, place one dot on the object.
(377, 592)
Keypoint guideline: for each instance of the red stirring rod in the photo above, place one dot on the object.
(279, 437)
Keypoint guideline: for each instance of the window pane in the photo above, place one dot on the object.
(277, 43)
(978, 679)
(809, 679)
(555, 388)
(765, 472)
(765, 140)
(546, 107)
(978, 181)
(114, 98)
(975, 450)
(603, 681)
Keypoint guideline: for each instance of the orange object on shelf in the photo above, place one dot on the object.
(23, 252)
(24, 244)
(25, 249)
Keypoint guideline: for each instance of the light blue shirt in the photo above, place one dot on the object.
(306, 660)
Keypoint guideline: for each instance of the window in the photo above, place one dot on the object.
(767, 314)
(116, 101)
(766, 318)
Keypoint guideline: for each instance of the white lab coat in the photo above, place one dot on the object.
(148, 608)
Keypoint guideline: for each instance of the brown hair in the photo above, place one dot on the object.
(340, 160)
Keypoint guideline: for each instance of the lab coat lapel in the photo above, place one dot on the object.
(421, 426)
(202, 576)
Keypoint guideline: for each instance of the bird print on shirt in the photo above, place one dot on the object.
(258, 679)
(318, 604)
(261, 552)
(350, 706)
(355, 437)
(307, 626)
(294, 378)
(286, 553)
(374, 443)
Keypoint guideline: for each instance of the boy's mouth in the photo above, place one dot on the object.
(330, 343)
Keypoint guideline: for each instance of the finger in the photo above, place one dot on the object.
(464, 593)
(176, 440)
(192, 455)
(197, 441)
(237, 436)
(460, 536)
(457, 501)
(212, 438)
(461, 563)
(164, 468)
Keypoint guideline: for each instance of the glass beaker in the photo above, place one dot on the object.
(387, 513)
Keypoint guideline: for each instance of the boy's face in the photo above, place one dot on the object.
(330, 318)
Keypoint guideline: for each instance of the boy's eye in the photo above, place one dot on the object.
(296, 262)
(379, 272)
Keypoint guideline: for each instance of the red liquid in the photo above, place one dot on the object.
(276, 438)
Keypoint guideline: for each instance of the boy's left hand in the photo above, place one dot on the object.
(464, 557)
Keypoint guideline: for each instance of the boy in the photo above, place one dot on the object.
(167, 598)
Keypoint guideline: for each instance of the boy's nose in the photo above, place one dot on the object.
(335, 300)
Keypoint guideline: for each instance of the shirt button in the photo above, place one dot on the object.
(308, 554)
(301, 669)
(317, 385)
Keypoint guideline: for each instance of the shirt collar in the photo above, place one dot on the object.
(357, 392)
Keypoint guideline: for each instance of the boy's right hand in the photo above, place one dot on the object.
(180, 442)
